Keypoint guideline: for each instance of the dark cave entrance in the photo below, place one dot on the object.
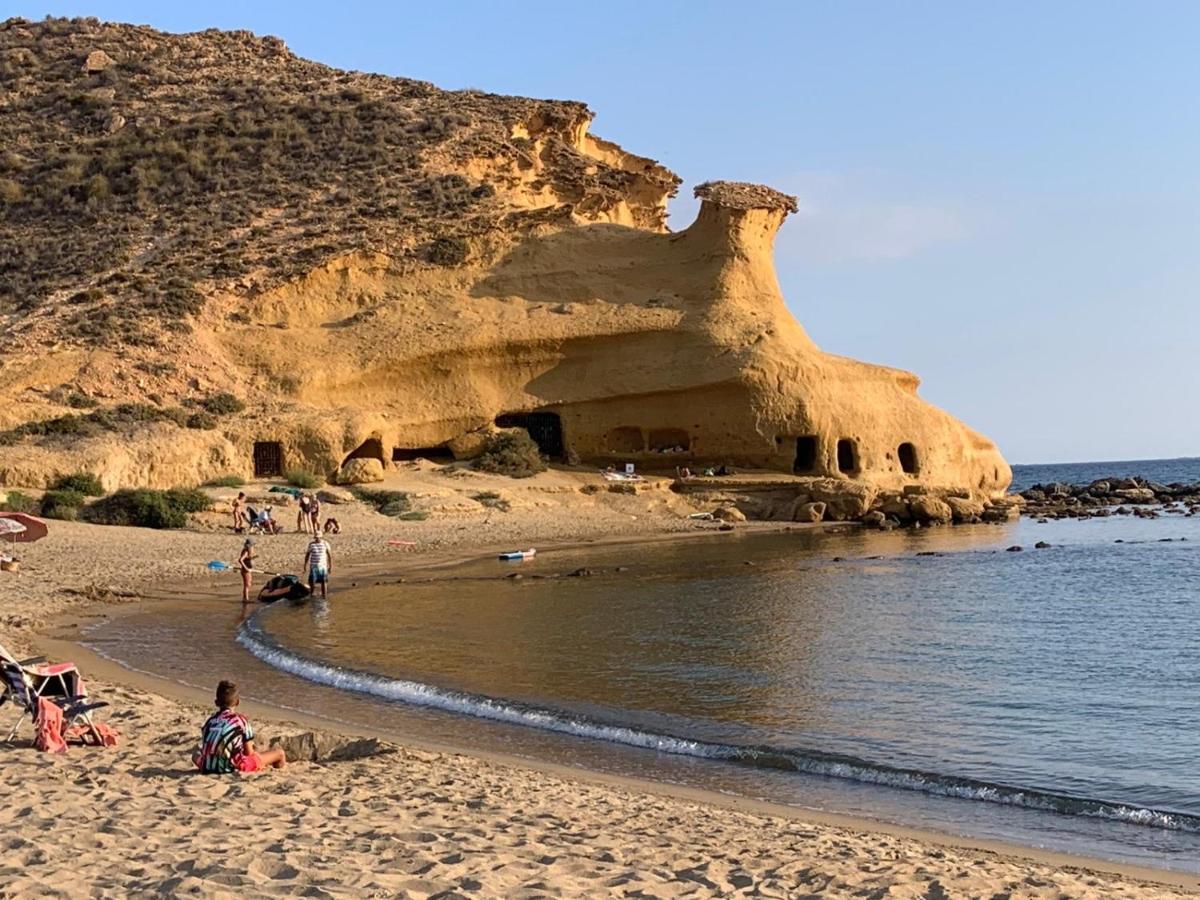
(847, 456)
(544, 427)
(806, 455)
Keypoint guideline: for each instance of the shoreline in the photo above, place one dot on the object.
(58, 643)
(180, 707)
(110, 670)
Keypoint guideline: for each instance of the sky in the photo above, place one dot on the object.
(1002, 198)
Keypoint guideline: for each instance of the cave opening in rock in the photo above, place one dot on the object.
(625, 439)
(908, 458)
(441, 454)
(268, 459)
(847, 456)
(371, 448)
(544, 427)
(806, 454)
(670, 440)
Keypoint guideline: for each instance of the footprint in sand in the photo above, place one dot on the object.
(274, 870)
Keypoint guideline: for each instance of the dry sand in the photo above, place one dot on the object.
(411, 822)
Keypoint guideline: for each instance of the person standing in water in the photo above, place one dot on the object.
(318, 560)
(246, 567)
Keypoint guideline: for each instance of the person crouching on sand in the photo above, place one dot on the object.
(246, 567)
(227, 740)
(318, 561)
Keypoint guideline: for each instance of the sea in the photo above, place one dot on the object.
(932, 678)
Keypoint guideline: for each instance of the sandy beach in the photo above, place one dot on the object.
(408, 820)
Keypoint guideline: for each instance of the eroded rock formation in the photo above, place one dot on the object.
(554, 299)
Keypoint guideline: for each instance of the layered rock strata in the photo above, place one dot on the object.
(555, 299)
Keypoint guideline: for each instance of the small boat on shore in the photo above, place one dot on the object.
(283, 587)
(518, 554)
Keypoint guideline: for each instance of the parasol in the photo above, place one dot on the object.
(32, 528)
(11, 526)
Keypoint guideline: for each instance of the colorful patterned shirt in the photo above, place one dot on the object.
(223, 741)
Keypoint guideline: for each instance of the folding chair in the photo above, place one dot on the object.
(28, 680)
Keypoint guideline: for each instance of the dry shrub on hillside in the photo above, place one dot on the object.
(511, 453)
(168, 169)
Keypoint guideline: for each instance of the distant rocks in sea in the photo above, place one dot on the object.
(1135, 496)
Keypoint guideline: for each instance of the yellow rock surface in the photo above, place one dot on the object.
(566, 306)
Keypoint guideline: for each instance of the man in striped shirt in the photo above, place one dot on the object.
(318, 560)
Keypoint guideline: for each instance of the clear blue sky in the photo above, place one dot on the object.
(1001, 197)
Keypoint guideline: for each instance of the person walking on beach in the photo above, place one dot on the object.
(318, 560)
(227, 740)
(302, 518)
(239, 512)
(246, 567)
(314, 515)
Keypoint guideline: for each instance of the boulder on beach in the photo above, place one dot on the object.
(810, 512)
(360, 471)
(729, 514)
(927, 509)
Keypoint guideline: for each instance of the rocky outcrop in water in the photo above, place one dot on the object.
(1111, 497)
(840, 500)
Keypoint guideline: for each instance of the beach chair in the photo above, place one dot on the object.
(28, 680)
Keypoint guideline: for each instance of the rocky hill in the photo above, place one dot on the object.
(142, 172)
(226, 259)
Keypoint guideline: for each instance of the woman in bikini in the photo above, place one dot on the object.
(246, 566)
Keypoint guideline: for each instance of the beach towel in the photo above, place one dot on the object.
(95, 735)
(49, 726)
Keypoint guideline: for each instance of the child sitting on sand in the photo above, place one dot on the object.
(227, 740)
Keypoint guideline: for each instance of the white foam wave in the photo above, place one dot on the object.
(809, 762)
(420, 694)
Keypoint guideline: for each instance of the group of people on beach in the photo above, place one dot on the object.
(308, 517)
(317, 563)
(318, 555)
(227, 738)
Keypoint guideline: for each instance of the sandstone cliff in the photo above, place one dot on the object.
(379, 268)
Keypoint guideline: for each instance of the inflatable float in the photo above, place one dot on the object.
(283, 587)
(518, 554)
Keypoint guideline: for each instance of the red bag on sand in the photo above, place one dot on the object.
(49, 725)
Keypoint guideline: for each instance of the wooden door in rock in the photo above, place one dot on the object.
(268, 459)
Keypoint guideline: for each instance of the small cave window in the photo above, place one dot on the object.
(908, 458)
(806, 454)
(268, 459)
(847, 455)
(625, 439)
(670, 440)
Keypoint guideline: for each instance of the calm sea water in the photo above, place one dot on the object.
(1046, 696)
(1164, 471)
